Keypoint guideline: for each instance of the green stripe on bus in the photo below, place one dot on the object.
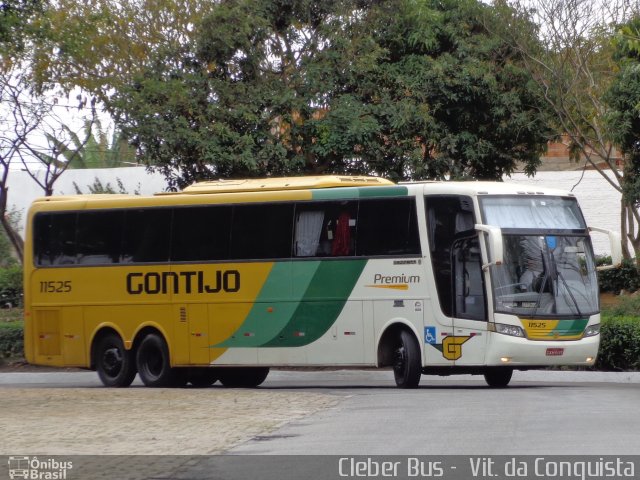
(322, 303)
(571, 327)
(358, 192)
(273, 308)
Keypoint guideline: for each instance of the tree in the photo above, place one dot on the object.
(571, 60)
(405, 89)
(18, 23)
(7, 252)
(623, 98)
(100, 45)
(28, 116)
(93, 150)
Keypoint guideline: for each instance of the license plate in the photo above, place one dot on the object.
(554, 352)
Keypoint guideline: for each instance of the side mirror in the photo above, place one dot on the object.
(496, 247)
(616, 247)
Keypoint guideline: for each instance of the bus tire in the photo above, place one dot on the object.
(154, 365)
(407, 364)
(115, 365)
(243, 377)
(498, 377)
(202, 377)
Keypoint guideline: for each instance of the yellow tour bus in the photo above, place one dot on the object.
(226, 279)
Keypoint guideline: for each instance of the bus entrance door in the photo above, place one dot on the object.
(469, 302)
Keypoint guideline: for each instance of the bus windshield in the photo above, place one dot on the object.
(548, 268)
(550, 275)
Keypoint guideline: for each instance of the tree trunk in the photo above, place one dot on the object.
(14, 238)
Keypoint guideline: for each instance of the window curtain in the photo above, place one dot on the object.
(308, 232)
(519, 215)
(342, 242)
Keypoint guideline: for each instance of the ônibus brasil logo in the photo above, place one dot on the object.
(38, 469)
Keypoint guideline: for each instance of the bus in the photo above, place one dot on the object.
(229, 278)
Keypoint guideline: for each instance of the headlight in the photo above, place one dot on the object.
(592, 330)
(511, 330)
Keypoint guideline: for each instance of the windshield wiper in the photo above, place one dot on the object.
(568, 289)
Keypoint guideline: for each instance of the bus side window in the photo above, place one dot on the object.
(201, 233)
(99, 237)
(55, 239)
(146, 235)
(261, 231)
(387, 227)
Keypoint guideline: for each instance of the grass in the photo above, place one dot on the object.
(628, 306)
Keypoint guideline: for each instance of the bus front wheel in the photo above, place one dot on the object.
(407, 364)
(154, 366)
(498, 377)
(115, 365)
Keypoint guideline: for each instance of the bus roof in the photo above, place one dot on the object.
(284, 183)
(328, 187)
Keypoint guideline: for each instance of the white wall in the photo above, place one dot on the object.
(23, 189)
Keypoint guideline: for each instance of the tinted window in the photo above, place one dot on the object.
(261, 231)
(201, 233)
(146, 235)
(447, 218)
(54, 238)
(387, 227)
(99, 237)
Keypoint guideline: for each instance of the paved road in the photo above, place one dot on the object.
(341, 413)
(540, 413)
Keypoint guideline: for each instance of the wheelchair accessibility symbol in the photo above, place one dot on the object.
(430, 335)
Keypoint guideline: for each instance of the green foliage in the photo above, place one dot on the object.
(95, 150)
(614, 280)
(619, 344)
(403, 89)
(11, 341)
(18, 22)
(623, 99)
(6, 257)
(11, 286)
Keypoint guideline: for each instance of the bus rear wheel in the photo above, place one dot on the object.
(498, 377)
(154, 366)
(407, 365)
(245, 377)
(115, 365)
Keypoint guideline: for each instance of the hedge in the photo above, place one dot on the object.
(11, 287)
(619, 344)
(11, 342)
(614, 280)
